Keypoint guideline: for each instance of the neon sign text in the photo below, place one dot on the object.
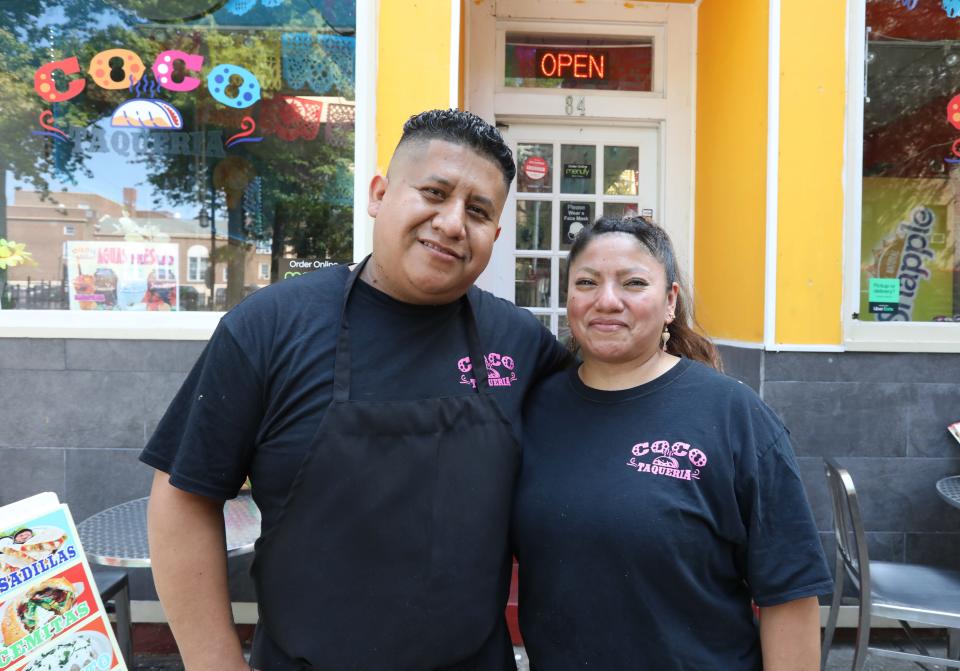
(576, 64)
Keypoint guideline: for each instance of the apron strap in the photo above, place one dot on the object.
(341, 365)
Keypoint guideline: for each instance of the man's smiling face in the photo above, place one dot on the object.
(437, 215)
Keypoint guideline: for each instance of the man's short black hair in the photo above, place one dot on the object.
(464, 128)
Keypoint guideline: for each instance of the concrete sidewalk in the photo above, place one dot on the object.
(840, 659)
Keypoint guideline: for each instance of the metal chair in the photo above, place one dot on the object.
(902, 592)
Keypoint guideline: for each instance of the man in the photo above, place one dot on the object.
(383, 464)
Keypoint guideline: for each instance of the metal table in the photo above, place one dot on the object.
(949, 490)
(117, 536)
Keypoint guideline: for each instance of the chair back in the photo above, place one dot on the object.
(848, 527)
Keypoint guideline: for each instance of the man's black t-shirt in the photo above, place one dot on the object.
(645, 521)
(254, 400)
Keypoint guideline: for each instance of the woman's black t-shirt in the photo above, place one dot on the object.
(646, 520)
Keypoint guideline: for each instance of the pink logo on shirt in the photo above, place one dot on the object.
(666, 462)
(500, 371)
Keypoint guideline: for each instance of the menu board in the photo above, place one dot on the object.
(51, 615)
(130, 276)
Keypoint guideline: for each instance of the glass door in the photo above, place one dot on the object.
(567, 177)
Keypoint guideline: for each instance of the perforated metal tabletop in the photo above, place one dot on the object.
(117, 536)
(949, 489)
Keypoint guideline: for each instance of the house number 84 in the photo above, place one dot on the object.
(576, 105)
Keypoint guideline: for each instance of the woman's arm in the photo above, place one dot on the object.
(790, 635)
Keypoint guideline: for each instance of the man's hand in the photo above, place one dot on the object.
(790, 636)
(189, 560)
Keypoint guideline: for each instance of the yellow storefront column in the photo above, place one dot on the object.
(414, 64)
(810, 213)
(731, 154)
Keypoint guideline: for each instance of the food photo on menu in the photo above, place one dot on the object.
(51, 615)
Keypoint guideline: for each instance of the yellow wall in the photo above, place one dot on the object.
(731, 150)
(413, 68)
(810, 221)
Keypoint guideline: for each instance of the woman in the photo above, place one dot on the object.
(657, 497)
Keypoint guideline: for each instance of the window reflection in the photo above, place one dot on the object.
(532, 285)
(910, 247)
(173, 155)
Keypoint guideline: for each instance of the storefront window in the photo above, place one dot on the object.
(910, 235)
(172, 155)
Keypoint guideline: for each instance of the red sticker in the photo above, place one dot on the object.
(535, 167)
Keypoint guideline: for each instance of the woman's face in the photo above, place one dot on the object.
(618, 300)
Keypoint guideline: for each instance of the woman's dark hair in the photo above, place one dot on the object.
(464, 128)
(685, 340)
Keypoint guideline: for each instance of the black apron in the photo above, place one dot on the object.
(390, 553)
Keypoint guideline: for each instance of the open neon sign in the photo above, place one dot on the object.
(564, 64)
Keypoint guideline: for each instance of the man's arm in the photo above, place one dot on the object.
(790, 635)
(189, 560)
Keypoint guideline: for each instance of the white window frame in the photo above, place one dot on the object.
(861, 335)
(192, 254)
(189, 325)
(593, 135)
(263, 270)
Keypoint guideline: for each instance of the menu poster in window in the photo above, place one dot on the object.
(910, 241)
(129, 276)
(51, 615)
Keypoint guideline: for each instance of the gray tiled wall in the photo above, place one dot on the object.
(77, 412)
(883, 416)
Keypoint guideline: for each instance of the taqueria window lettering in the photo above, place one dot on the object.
(220, 134)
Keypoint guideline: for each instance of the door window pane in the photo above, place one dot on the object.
(563, 331)
(621, 174)
(577, 163)
(533, 224)
(532, 283)
(562, 287)
(534, 168)
(910, 234)
(620, 210)
(574, 217)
